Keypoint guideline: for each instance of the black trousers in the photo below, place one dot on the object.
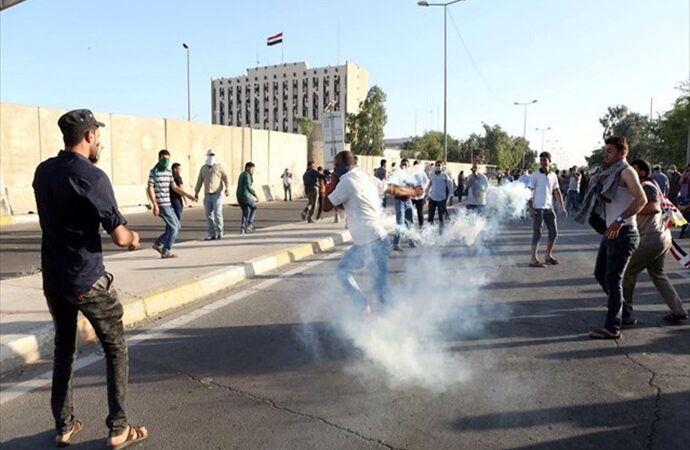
(103, 310)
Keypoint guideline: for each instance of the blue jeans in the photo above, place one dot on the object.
(172, 227)
(248, 212)
(374, 255)
(213, 205)
(403, 209)
(612, 260)
(178, 207)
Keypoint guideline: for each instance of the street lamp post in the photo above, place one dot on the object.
(445, 69)
(524, 126)
(189, 104)
(543, 130)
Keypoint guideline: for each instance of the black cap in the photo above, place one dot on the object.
(78, 121)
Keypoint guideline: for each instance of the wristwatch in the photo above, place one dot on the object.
(620, 219)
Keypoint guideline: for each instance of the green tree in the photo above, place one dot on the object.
(471, 147)
(671, 130)
(365, 128)
(636, 128)
(306, 125)
(430, 146)
(504, 150)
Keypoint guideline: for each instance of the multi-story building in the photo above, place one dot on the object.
(274, 97)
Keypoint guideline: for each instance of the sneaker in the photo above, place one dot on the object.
(251, 227)
(397, 248)
(603, 333)
(243, 230)
(168, 254)
(158, 248)
(310, 220)
(219, 237)
(304, 215)
(210, 238)
(413, 244)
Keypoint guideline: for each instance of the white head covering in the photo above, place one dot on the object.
(210, 157)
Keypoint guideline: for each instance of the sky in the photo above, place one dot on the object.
(575, 57)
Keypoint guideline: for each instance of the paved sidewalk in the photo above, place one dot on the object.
(149, 285)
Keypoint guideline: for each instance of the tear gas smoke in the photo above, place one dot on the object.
(436, 295)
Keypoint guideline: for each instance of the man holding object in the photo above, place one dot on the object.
(360, 196)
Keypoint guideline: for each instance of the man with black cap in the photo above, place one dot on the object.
(74, 199)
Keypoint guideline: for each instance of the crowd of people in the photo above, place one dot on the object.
(624, 202)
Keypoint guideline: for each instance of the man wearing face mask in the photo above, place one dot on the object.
(74, 199)
(404, 212)
(160, 183)
(215, 181)
(360, 196)
(439, 191)
(477, 185)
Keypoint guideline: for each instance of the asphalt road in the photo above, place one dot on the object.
(268, 366)
(20, 244)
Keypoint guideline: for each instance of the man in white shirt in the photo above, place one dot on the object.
(421, 179)
(544, 186)
(286, 177)
(477, 185)
(404, 215)
(359, 194)
(573, 202)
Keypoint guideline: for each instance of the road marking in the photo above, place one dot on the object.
(14, 391)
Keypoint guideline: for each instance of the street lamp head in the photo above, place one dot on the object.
(422, 3)
(534, 101)
(185, 46)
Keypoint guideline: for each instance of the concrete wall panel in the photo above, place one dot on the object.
(20, 144)
(136, 142)
(177, 140)
(30, 134)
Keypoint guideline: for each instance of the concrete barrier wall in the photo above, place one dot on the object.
(29, 135)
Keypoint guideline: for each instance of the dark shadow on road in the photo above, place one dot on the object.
(629, 422)
(46, 440)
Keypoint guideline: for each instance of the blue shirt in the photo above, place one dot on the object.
(74, 198)
(440, 187)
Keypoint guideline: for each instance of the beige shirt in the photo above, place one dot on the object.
(214, 179)
(651, 226)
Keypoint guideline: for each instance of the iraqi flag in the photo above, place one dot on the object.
(275, 39)
(680, 255)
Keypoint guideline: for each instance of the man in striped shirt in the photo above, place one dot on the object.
(158, 190)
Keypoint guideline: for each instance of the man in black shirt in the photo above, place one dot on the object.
(74, 198)
(175, 198)
(311, 180)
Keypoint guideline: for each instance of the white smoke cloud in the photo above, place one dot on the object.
(437, 293)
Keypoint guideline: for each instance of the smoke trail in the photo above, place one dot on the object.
(438, 291)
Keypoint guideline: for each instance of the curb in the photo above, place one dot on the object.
(29, 349)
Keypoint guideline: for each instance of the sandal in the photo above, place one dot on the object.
(603, 333)
(537, 264)
(675, 318)
(552, 261)
(134, 435)
(60, 439)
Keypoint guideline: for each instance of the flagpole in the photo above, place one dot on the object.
(282, 52)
